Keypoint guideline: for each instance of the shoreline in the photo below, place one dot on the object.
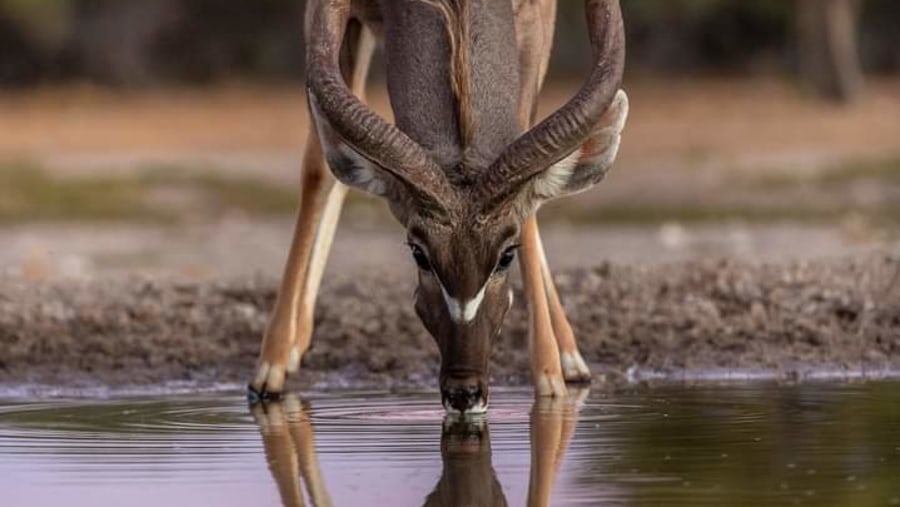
(633, 378)
(711, 319)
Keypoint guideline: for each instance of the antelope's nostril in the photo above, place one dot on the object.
(464, 399)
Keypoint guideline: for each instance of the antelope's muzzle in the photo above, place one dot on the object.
(464, 397)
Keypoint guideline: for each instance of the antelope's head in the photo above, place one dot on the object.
(463, 223)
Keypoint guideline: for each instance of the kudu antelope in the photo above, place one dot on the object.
(460, 170)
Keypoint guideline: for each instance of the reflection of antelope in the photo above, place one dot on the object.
(458, 170)
(468, 476)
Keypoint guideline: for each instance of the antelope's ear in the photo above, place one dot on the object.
(587, 165)
(349, 166)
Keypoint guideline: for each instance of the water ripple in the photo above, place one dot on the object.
(748, 444)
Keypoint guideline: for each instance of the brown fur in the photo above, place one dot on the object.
(457, 22)
(455, 110)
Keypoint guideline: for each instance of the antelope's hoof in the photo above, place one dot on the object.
(262, 395)
(267, 384)
(268, 381)
(574, 369)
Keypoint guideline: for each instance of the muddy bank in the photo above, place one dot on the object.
(788, 319)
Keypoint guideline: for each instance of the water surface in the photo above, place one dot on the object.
(747, 444)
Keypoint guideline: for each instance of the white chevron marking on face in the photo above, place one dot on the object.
(466, 311)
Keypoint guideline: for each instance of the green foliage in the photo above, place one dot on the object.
(721, 34)
(29, 194)
(197, 41)
(45, 20)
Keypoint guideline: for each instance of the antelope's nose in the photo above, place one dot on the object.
(464, 398)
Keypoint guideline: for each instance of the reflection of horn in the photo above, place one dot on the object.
(289, 443)
(552, 426)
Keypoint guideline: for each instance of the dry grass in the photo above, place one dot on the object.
(670, 120)
(693, 151)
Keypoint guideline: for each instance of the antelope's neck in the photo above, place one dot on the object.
(453, 76)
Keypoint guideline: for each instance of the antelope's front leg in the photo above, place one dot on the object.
(545, 363)
(279, 352)
(322, 196)
(574, 369)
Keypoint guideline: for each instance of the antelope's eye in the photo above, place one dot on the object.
(420, 257)
(506, 260)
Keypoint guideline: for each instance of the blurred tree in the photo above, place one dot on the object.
(828, 47)
(711, 36)
(879, 37)
(132, 43)
(112, 41)
(216, 39)
(21, 60)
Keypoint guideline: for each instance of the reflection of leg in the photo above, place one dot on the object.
(573, 366)
(553, 423)
(545, 364)
(280, 453)
(305, 446)
(546, 435)
(577, 395)
(290, 446)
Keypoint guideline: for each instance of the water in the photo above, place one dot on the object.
(748, 444)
